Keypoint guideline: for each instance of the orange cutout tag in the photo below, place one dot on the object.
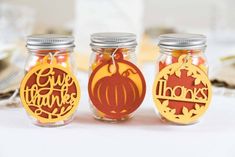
(182, 91)
(50, 92)
(116, 89)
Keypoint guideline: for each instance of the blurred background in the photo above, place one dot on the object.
(146, 18)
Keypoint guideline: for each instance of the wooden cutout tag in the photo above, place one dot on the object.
(49, 92)
(182, 91)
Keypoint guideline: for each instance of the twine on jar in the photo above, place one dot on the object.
(187, 58)
(113, 57)
(52, 55)
(184, 60)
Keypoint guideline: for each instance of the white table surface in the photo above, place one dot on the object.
(144, 135)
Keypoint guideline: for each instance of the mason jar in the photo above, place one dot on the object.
(109, 48)
(49, 47)
(181, 48)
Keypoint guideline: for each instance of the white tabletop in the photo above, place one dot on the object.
(144, 135)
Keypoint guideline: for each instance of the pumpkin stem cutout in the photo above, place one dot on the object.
(117, 93)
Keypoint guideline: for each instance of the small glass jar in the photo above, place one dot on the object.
(59, 47)
(103, 46)
(172, 46)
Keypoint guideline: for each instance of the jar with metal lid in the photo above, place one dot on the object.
(49, 91)
(116, 86)
(182, 90)
(60, 46)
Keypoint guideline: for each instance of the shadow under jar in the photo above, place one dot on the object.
(180, 95)
(107, 101)
(58, 47)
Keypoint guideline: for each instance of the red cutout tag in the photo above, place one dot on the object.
(116, 89)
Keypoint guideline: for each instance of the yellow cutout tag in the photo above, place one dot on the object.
(50, 92)
(182, 91)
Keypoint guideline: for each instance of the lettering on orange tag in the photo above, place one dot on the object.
(50, 92)
(116, 89)
(182, 91)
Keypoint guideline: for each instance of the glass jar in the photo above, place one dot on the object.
(106, 48)
(51, 46)
(173, 48)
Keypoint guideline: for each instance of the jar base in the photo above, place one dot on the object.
(98, 116)
(109, 120)
(55, 124)
(166, 121)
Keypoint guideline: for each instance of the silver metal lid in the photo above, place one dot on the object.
(182, 41)
(113, 39)
(50, 41)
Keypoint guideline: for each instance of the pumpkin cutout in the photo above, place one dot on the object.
(116, 93)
